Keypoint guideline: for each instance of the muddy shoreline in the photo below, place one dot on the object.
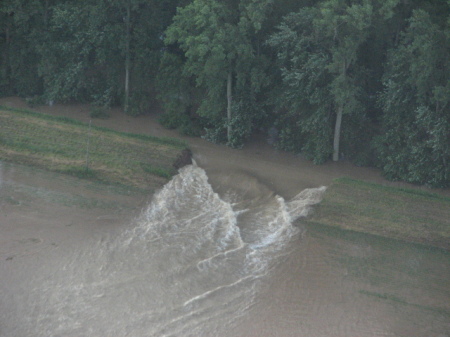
(281, 173)
(284, 173)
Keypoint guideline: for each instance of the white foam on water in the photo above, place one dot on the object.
(302, 203)
(189, 265)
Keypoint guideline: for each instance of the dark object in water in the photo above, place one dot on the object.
(183, 159)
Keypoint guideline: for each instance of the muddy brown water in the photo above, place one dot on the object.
(214, 253)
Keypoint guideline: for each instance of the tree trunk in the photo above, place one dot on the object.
(7, 51)
(337, 133)
(229, 102)
(127, 58)
(337, 126)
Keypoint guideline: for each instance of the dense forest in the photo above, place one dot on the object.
(364, 80)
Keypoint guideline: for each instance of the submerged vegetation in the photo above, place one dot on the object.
(399, 213)
(396, 300)
(80, 149)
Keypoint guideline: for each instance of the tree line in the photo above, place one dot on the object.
(364, 80)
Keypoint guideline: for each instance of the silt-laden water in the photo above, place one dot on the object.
(196, 263)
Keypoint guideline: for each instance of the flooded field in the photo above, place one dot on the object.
(201, 259)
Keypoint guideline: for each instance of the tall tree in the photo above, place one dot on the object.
(317, 51)
(103, 51)
(22, 26)
(216, 38)
(415, 140)
(127, 54)
(143, 23)
(132, 11)
(80, 56)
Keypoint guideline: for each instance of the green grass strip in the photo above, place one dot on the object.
(398, 213)
(69, 146)
(61, 119)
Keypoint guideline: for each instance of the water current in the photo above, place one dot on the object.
(196, 263)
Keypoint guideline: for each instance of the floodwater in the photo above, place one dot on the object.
(211, 254)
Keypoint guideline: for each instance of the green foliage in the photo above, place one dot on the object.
(290, 138)
(204, 31)
(148, 20)
(317, 49)
(75, 51)
(173, 120)
(218, 40)
(191, 128)
(186, 126)
(35, 101)
(357, 145)
(294, 66)
(80, 54)
(415, 143)
(20, 34)
(217, 133)
(308, 132)
(177, 95)
(139, 103)
(241, 124)
(175, 91)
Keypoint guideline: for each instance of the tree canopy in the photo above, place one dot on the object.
(361, 80)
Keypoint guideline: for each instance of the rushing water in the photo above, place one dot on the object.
(196, 263)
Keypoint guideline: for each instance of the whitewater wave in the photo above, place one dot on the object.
(189, 265)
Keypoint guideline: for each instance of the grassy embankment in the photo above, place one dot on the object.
(398, 213)
(69, 146)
